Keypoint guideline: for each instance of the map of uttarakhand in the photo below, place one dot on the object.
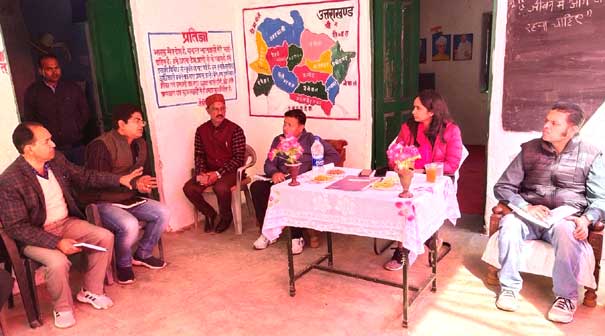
(308, 66)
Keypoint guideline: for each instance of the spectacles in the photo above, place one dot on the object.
(138, 121)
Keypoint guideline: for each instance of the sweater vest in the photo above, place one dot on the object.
(122, 163)
(553, 179)
(217, 143)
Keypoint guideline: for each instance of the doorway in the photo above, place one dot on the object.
(395, 70)
(91, 39)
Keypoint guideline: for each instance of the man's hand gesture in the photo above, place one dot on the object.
(125, 180)
(146, 183)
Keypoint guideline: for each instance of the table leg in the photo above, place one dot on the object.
(330, 251)
(290, 261)
(435, 257)
(380, 250)
(406, 262)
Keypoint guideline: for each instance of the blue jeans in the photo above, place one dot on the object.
(514, 230)
(124, 223)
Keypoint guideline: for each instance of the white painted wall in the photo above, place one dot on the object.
(504, 145)
(172, 129)
(8, 115)
(458, 81)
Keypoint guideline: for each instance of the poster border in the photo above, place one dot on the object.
(297, 4)
(155, 90)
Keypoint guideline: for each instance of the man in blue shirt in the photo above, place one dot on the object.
(294, 125)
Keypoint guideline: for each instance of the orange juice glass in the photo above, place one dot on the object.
(433, 170)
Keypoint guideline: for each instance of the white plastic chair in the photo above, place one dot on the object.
(241, 184)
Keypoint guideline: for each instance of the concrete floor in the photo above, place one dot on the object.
(218, 285)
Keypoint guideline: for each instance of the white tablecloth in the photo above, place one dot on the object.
(368, 213)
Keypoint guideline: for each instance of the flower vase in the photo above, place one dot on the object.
(405, 178)
(293, 169)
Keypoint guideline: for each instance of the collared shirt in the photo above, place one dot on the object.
(53, 87)
(44, 172)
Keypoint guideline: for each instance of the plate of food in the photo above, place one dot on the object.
(322, 178)
(335, 172)
(387, 183)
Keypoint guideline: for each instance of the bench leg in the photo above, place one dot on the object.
(492, 276)
(590, 297)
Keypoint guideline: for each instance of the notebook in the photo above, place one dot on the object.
(130, 203)
(352, 183)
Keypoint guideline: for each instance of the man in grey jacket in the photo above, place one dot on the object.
(557, 169)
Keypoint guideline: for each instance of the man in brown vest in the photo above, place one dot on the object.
(117, 151)
(220, 146)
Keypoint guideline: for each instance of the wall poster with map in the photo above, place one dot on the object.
(303, 56)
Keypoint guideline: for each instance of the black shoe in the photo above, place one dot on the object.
(222, 225)
(151, 262)
(209, 224)
(125, 275)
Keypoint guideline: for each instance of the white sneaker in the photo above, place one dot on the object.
(297, 245)
(262, 243)
(98, 301)
(507, 300)
(64, 319)
(562, 310)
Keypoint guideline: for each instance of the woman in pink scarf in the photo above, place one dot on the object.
(438, 139)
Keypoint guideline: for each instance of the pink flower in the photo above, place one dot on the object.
(288, 149)
(402, 156)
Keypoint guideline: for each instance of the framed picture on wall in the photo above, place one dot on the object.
(422, 51)
(442, 46)
(463, 47)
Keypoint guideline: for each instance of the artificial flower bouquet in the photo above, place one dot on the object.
(288, 149)
(402, 157)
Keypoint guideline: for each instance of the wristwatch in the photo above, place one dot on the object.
(218, 175)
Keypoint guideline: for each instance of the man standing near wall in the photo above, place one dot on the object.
(220, 146)
(60, 106)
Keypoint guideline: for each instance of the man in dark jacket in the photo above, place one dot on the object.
(40, 213)
(60, 106)
(294, 125)
(557, 169)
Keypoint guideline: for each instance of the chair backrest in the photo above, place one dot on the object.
(457, 173)
(250, 156)
(339, 145)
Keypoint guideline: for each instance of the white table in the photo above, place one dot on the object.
(367, 213)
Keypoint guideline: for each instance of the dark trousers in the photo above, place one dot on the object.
(6, 286)
(260, 191)
(222, 188)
